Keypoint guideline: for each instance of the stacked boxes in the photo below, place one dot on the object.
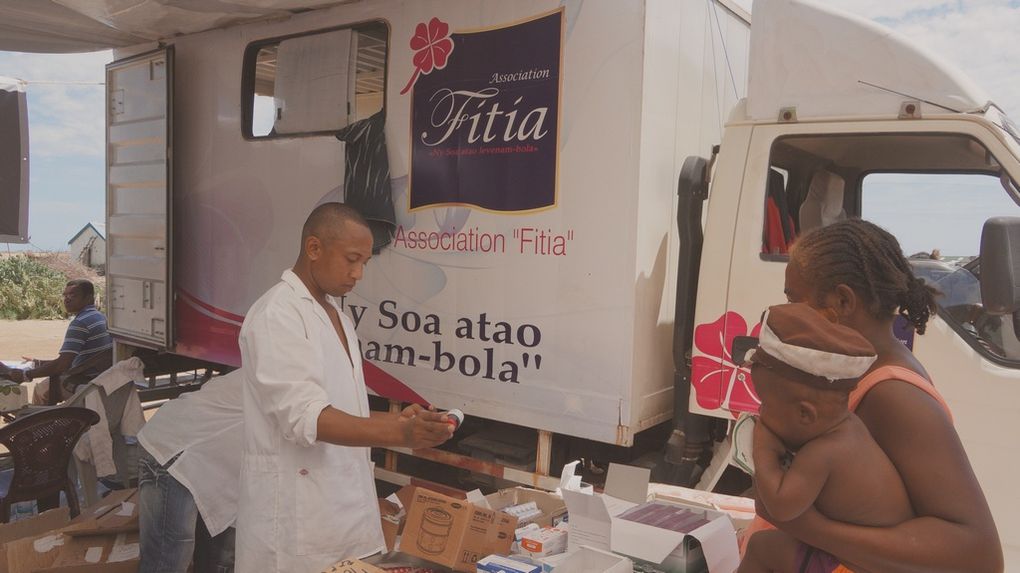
(103, 539)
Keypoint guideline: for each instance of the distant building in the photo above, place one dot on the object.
(88, 246)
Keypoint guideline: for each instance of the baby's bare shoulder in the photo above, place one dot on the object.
(849, 437)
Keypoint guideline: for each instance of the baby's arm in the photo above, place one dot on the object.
(786, 494)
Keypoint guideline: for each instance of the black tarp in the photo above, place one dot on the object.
(13, 163)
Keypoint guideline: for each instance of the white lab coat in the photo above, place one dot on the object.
(96, 446)
(303, 505)
(205, 430)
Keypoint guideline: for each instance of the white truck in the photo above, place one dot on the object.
(581, 207)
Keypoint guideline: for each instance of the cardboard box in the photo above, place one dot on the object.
(115, 513)
(597, 521)
(393, 512)
(391, 526)
(551, 505)
(54, 552)
(544, 542)
(497, 564)
(588, 560)
(353, 566)
(454, 532)
(32, 527)
(122, 567)
(112, 553)
(33, 553)
(58, 545)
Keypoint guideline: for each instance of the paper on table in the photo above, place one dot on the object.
(48, 542)
(126, 509)
(392, 498)
(93, 554)
(125, 552)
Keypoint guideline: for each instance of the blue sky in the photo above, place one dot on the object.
(66, 121)
(66, 142)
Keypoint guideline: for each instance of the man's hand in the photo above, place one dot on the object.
(415, 409)
(425, 429)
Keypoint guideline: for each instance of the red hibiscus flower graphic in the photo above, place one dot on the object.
(432, 48)
(717, 381)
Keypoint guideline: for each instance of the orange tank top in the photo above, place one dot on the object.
(883, 373)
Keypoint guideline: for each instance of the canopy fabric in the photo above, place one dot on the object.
(65, 26)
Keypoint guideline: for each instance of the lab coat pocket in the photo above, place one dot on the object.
(257, 525)
(336, 507)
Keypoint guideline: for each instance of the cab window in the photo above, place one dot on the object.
(932, 191)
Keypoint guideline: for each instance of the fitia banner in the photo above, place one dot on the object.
(485, 115)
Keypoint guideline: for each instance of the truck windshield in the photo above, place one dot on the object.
(932, 191)
(959, 282)
(938, 220)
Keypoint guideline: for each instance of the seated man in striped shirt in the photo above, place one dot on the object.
(85, 338)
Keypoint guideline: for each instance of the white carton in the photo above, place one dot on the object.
(544, 542)
(595, 520)
(550, 563)
(588, 560)
(498, 564)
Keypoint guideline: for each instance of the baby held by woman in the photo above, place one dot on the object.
(803, 371)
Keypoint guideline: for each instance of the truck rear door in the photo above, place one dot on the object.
(138, 198)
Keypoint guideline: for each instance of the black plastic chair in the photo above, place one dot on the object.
(41, 445)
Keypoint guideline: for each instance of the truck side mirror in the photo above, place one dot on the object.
(13, 161)
(1000, 266)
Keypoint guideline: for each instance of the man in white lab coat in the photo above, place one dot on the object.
(307, 494)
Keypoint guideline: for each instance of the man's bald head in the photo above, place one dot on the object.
(328, 222)
(336, 243)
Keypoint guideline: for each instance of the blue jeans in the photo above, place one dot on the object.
(170, 529)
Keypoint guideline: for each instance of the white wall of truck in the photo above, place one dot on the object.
(643, 85)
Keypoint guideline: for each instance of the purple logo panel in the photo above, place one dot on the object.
(484, 125)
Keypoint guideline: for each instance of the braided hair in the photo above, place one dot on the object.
(868, 259)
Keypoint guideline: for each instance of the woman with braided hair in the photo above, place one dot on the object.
(854, 272)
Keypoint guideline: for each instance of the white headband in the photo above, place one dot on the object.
(828, 365)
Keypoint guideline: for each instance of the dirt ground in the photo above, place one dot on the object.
(33, 338)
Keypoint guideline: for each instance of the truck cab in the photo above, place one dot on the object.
(864, 125)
